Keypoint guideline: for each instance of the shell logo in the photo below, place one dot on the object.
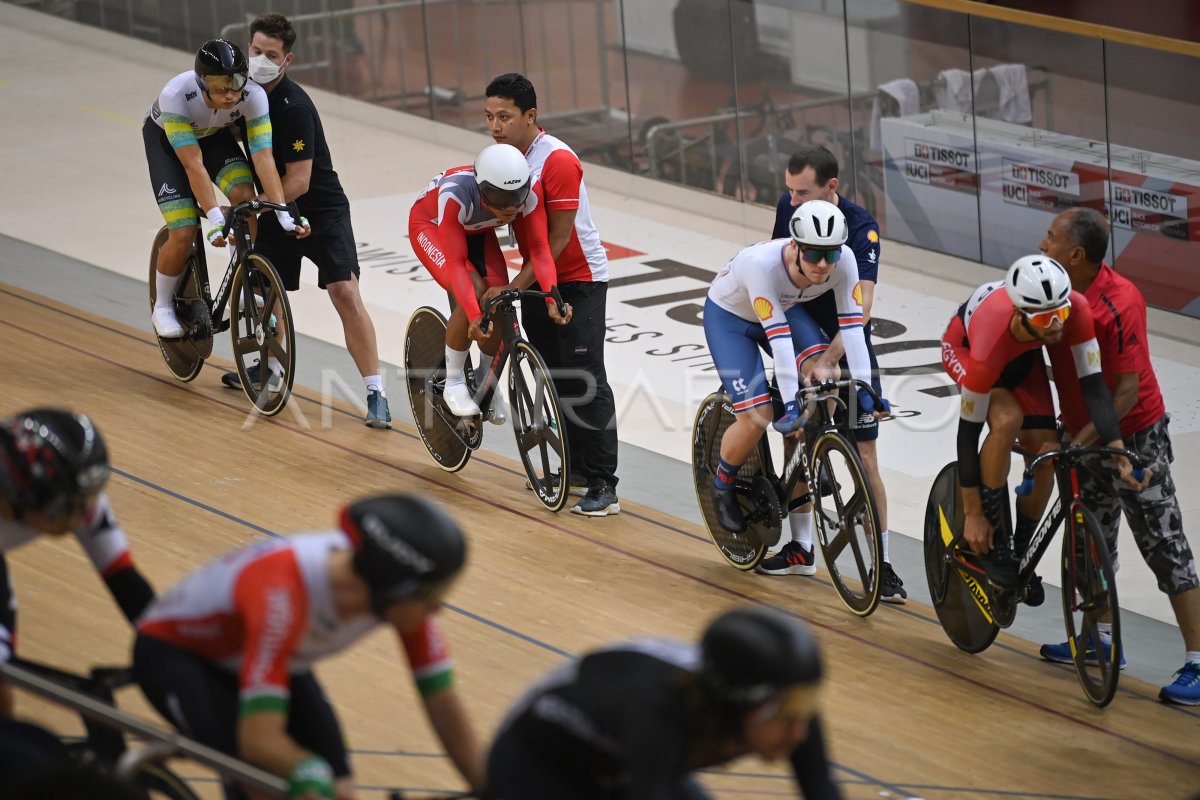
(858, 293)
(763, 307)
(873, 237)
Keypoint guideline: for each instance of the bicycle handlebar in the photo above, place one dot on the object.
(256, 206)
(826, 389)
(509, 295)
(1073, 455)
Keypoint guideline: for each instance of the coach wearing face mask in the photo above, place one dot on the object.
(306, 170)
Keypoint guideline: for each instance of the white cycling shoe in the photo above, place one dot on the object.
(166, 324)
(458, 400)
(498, 412)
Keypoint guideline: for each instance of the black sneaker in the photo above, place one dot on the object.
(729, 513)
(891, 588)
(792, 559)
(600, 501)
(378, 414)
(231, 379)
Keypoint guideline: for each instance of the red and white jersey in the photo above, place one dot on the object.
(267, 612)
(561, 175)
(978, 344)
(101, 537)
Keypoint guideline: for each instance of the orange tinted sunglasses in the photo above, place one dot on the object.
(1044, 319)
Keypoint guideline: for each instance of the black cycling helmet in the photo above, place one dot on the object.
(406, 547)
(751, 655)
(52, 462)
(219, 57)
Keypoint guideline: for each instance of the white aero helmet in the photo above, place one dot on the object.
(503, 176)
(818, 223)
(1038, 282)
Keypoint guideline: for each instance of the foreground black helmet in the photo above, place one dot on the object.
(219, 57)
(406, 548)
(52, 462)
(751, 655)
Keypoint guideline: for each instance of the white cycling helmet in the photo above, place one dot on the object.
(1037, 282)
(503, 176)
(818, 223)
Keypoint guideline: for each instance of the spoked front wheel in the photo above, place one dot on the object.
(763, 520)
(1089, 596)
(425, 370)
(538, 425)
(956, 581)
(185, 355)
(846, 522)
(264, 339)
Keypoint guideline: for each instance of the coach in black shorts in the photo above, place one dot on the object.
(306, 170)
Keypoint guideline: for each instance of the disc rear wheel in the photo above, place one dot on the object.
(755, 491)
(185, 355)
(425, 371)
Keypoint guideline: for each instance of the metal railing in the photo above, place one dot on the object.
(160, 745)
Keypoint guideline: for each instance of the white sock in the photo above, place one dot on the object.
(374, 384)
(456, 362)
(1193, 656)
(274, 365)
(1105, 630)
(802, 528)
(164, 289)
(884, 536)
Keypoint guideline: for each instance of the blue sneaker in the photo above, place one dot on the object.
(1061, 653)
(1186, 689)
(378, 415)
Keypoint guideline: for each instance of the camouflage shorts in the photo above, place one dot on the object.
(1153, 513)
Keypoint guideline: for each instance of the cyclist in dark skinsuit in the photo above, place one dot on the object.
(634, 721)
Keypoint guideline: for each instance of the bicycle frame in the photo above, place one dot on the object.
(500, 310)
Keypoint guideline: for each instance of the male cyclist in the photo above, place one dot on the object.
(227, 654)
(636, 721)
(757, 301)
(190, 146)
(452, 228)
(992, 348)
(53, 469)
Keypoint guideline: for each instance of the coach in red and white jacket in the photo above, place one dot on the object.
(575, 352)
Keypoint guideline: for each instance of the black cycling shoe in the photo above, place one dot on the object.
(1035, 593)
(729, 512)
(1001, 568)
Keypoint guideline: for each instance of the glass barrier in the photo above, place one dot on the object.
(960, 133)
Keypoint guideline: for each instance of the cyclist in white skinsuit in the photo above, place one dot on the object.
(189, 146)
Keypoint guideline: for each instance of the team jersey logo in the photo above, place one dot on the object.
(298, 145)
(968, 407)
(763, 307)
(858, 293)
(873, 237)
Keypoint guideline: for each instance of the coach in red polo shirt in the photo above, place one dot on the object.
(1078, 239)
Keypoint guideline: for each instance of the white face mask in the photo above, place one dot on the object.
(263, 69)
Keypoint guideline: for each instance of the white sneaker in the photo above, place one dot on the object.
(498, 412)
(166, 324)
(458, 399)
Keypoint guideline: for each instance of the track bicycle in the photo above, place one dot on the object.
(259, 319)
(845, 515)
(972, 611)
(537, 417)
(102, 746)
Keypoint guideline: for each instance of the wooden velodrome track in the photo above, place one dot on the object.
(909, 715)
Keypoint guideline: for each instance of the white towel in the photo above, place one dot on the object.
(953, 93)
(1014, 93)
(907, 96)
